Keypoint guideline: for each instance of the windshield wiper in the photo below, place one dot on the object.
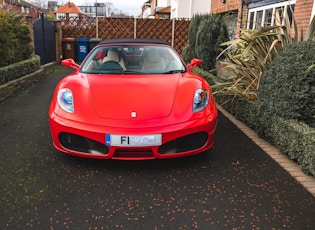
(110, 71)
(175, 71)
(133, 72)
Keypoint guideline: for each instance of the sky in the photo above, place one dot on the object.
(131, 7)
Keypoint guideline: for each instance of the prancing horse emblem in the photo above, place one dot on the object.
(133, 114)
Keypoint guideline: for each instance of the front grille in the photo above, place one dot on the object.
(185, 143)
(82, 144)
(134, 153)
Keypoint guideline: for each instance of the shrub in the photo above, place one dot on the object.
(192, 32)
(212, 31)
(187, 54)
(247, 58)
(205, 74)
(7, 39)
(15, 39)
(287, 87)
(24, 48)
(206, 32)
(251, 54)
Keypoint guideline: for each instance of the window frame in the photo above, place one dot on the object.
(264, 8)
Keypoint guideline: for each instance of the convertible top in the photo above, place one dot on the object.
(134, 40)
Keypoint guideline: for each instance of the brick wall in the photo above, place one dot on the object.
(302, 14)
(217, 6)
(59, 51)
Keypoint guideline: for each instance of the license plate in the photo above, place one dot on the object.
(133, 140)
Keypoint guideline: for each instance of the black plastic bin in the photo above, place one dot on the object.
(93, 42)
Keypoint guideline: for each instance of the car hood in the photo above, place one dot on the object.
(133, 97)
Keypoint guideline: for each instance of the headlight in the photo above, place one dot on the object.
(201, 100)
(65, 100)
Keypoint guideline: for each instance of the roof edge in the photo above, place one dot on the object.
(134, 40)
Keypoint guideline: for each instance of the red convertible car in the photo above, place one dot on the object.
(132, 99)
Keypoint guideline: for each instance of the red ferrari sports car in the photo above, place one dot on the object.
(132, 99)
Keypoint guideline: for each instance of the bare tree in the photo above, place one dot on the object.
(109, 8)
(87, 3)
(41, 4)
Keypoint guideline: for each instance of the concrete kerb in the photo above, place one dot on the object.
(308, 182)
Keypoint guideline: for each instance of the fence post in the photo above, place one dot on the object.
(96, 18)
(173, 32)
(58, 39)
(135, 28)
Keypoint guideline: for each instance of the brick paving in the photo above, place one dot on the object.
(308, 182)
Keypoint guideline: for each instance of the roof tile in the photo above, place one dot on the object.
(69, 7)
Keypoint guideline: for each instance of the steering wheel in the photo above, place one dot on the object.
(111, 65)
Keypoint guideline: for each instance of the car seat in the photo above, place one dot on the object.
(113, 55)
(153, 61)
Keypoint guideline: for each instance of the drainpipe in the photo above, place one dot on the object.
(190, 8)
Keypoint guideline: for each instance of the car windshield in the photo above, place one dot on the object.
(133, 59)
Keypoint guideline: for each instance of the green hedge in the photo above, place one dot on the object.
(205, 74)
(295, 139)
(287, 86)
(20, 69)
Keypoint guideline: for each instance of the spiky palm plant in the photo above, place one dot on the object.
(251, 54)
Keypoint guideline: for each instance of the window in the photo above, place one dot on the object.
(61, 15)
(71, 15)
(265, 15)
(268, 16)
(280, 10)
(259, 16)
(289, 12)
(133, 59)
(251, 19)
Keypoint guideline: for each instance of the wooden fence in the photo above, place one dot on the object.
(174, 31)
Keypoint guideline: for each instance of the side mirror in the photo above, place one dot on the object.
(70, 63)
(194, 63)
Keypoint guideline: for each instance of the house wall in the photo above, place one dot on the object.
(153, 5)
(187, 8)
(233, 7)
(302, 14)
(163, 3)
(303, 11)
(217, 6)
(29, 12)
(200, 6)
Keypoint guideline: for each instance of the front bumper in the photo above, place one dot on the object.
(178, 140)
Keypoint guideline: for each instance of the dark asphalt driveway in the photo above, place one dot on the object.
(233, 186)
